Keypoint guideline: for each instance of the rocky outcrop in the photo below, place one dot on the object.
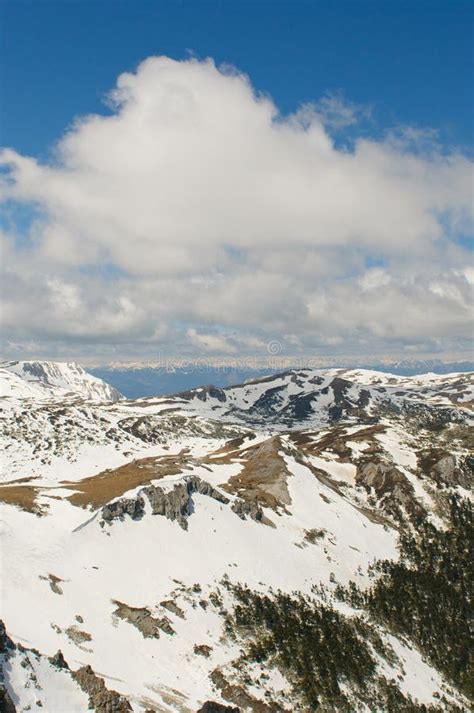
(238, 695)
(6, 644)
(394, 491)
(444, 469)
(6, 703)
(202, 650)
(203, 393)
(143, 620)
(212, 707)
(174, 504)
(262, 481)
(242, 508)
(6, 648)
(134, 507)
(54, 582)
(101, 699)
(58, 660)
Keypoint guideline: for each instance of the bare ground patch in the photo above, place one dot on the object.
(23, 497)
(77, 636)
(98, 490)
(263, 478)
(54, 583)
(335, 441)
(143, 620)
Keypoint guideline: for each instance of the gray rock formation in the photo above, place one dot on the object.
(6, 648)
(143, 620)
(443, 468)
(242, 508)
(125, 506)
(174, 504)
(58, 660)
(101, 699)
(212, 707)
(6, 644)
(391, 487)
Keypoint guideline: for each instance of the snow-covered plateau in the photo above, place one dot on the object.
(129, 530)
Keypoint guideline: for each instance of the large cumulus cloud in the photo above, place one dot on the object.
(194, 216)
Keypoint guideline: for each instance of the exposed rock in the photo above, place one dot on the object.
(77, 636)
(444, 469)
(58, 660)
(269, 399)
(6, 703)
(174, 504)
(300, 406)
(313, 535)
(203, 393)
(53, 583)
(173, 608)
(6, 644)
(263, 478)
(213, 392)
(101, 699)
(202, 650)
(143, 620)
(212, 707)
(391, 486)
(238, 695)
(125, 506)
(242, 508)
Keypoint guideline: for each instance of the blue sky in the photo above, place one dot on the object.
(412, 60)
(309, 184)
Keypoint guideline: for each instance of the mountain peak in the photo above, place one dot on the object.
(53, 379)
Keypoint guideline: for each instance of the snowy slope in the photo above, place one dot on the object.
(47, 378)
(124, 519)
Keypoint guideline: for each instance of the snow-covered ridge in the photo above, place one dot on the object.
(320, 395)
(40, 379)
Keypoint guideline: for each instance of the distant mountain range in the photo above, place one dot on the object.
(140, 381)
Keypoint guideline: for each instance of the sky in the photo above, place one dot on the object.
(235, 178)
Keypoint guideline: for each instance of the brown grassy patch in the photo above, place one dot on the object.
(98, 490)
(23, 496)
(263, 476)
(233, 445)
(335, 440)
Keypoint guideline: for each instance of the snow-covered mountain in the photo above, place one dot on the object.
(46, 378)
(139, 380)
(146, 529)
(325, 396)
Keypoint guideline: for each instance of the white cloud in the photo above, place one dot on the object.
(338, 113)
(210, 208)
(374, 278)
(212, 343)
